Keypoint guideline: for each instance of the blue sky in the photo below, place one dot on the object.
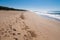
(35, 5)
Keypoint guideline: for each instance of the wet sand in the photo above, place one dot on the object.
(26, 25)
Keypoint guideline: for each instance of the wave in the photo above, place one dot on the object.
(55, 16)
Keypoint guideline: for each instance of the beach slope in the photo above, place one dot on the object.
(26, 25)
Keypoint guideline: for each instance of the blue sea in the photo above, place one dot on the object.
(52, 15)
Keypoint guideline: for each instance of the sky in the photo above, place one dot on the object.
(34, 5)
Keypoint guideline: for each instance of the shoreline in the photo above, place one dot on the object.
(50, 18)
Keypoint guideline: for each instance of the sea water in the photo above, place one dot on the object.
(50, 15)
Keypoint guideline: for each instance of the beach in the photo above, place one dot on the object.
(26, 25)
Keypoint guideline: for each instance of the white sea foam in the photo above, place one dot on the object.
(49, 15)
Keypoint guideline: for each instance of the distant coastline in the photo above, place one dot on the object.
(8, 8)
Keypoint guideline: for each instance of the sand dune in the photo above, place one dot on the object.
(25, 25)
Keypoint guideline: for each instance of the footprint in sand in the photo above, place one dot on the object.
(15, 38)
(32, 33)
(1, 31)
(26, 37)
(10, 26)
(25, 27)
(22, 16)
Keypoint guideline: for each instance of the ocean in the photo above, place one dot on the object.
(55, 16)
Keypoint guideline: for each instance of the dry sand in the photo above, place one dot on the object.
(25, 25)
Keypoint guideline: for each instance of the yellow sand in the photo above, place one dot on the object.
(26, 25)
